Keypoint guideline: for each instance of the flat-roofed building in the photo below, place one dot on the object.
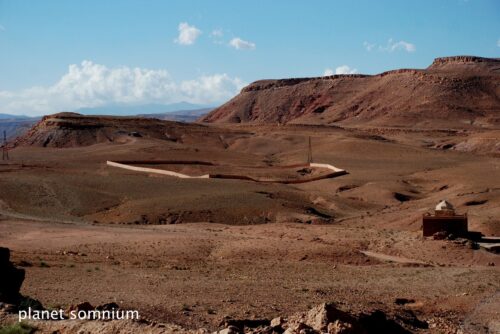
(445, 220)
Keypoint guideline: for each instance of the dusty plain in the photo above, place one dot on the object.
(195, 251)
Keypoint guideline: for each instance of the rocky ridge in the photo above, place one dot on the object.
(458, 92)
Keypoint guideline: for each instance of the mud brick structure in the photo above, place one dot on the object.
(446, 220)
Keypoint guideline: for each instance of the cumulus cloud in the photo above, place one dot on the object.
(328, 72)
(92, 85)
(401, 45)
(240, 44)
(391, 46)
(344, 69)
(187, 34)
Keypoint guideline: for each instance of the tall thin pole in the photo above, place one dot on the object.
(5, 152)
(309, 153)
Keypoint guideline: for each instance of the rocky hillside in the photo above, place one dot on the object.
(454, 91)
(73, 130)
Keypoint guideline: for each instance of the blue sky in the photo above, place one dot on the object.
(205, 51)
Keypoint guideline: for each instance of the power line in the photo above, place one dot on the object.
(309, 152)
(5, 151)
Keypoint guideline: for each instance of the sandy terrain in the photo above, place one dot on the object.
(192, 252)
(196, 274)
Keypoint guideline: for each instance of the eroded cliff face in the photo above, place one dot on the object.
(453, 91)
(463, 60)
(73, 130)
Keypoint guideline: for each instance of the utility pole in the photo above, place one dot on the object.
(5, 151)
(309, 152)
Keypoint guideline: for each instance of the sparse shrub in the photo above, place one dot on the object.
(27, 302)
(17, 328)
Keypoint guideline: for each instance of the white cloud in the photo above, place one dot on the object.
(328, 72)
(498, 43)
(401, 45)
(369, 46)
(391, 46)
(92, 85)
(2, 28)
(209, 89)
(240, 44)
(344, 69)
(187, 34)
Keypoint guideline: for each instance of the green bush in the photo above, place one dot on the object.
(26, 302)
(18, 328)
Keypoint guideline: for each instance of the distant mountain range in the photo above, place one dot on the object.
(8, 116)
(180, 115)
(143, 109)
(15, 125)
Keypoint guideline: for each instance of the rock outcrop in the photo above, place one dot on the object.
(72, 130)
(324, 318)
(327, 318)
(11, 279)
(463, 60)
(458, 92)
(66, 129)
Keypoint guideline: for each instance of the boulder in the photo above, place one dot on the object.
(11, 279)
(85, 306)
(277, 322)
(107, 307)
(441, 235)
(378, 322)
(324, 318)
(299, 328)
(321, 316)
(229, 330)
(340, 327)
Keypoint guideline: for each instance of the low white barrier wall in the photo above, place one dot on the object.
(154, 170)
(335, 172)
(335, 169)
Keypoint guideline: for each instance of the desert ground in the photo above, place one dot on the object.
(193, 252)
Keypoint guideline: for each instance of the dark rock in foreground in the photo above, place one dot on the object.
(11, 279)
